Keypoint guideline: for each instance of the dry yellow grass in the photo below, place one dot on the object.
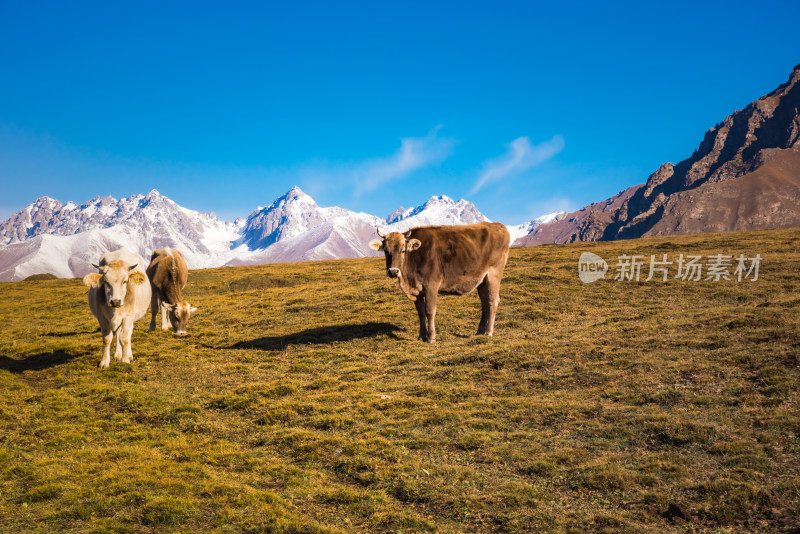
(302, 402)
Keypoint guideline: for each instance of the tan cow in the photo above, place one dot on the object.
(168, 274)
(452, 260)
(118, 296)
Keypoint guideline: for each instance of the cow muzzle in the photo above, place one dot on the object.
(116, 303)
(393, 272)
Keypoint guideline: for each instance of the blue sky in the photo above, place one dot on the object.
(520, 107)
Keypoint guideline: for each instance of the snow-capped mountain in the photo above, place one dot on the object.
(295, 228)
(437, 210)
(521, 230)
(65, 239)
(341, 237)
(290, 216)
(153, 213)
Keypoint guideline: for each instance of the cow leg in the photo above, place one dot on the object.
(489, 292)
(124, 334)
(430, 311)
(154, 306)
(483, 293)
(108, 337)
(423, 319)
(166, 324)
(118, 352)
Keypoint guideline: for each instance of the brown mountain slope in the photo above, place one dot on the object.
(768, 197)
(744, 175)
(586, 224)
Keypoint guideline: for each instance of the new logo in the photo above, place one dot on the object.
(591, 267)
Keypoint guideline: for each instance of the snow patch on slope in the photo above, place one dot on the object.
(521, 230)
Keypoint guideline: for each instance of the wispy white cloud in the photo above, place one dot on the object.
(415, 153)
(520, 156)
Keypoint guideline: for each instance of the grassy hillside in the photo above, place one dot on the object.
(302, 402)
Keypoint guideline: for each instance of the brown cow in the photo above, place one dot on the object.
(452, 260)
(168, 274)
(118, 297)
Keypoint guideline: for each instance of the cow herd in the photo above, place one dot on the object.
(428, 260)
(122, 289)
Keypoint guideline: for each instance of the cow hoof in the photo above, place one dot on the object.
(102, 365)
(151, 329)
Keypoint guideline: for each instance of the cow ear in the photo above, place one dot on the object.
(192, 310)
(137, 278)
(92, 280)
(413, 244)
(376, 244)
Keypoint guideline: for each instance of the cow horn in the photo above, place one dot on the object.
(408, 234)
(379, 232)
(132, 267)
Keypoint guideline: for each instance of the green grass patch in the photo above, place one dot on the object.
(301, 402)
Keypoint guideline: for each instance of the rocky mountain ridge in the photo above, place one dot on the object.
(745, 174)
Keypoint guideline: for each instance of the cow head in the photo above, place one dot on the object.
(114, 279)
(179, 315)
(395, 247)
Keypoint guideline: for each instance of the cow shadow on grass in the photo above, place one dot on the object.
(319, 335)
(36, 362)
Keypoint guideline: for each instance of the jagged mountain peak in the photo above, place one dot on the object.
(45, 200)
(794, 77)
(438, 200)
(294, 195)
(154, 195)
(436, 210)
(97, 199)
(288, 216)
(395, 215)
(295, 192)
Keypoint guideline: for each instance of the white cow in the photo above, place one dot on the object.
(119, 295)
